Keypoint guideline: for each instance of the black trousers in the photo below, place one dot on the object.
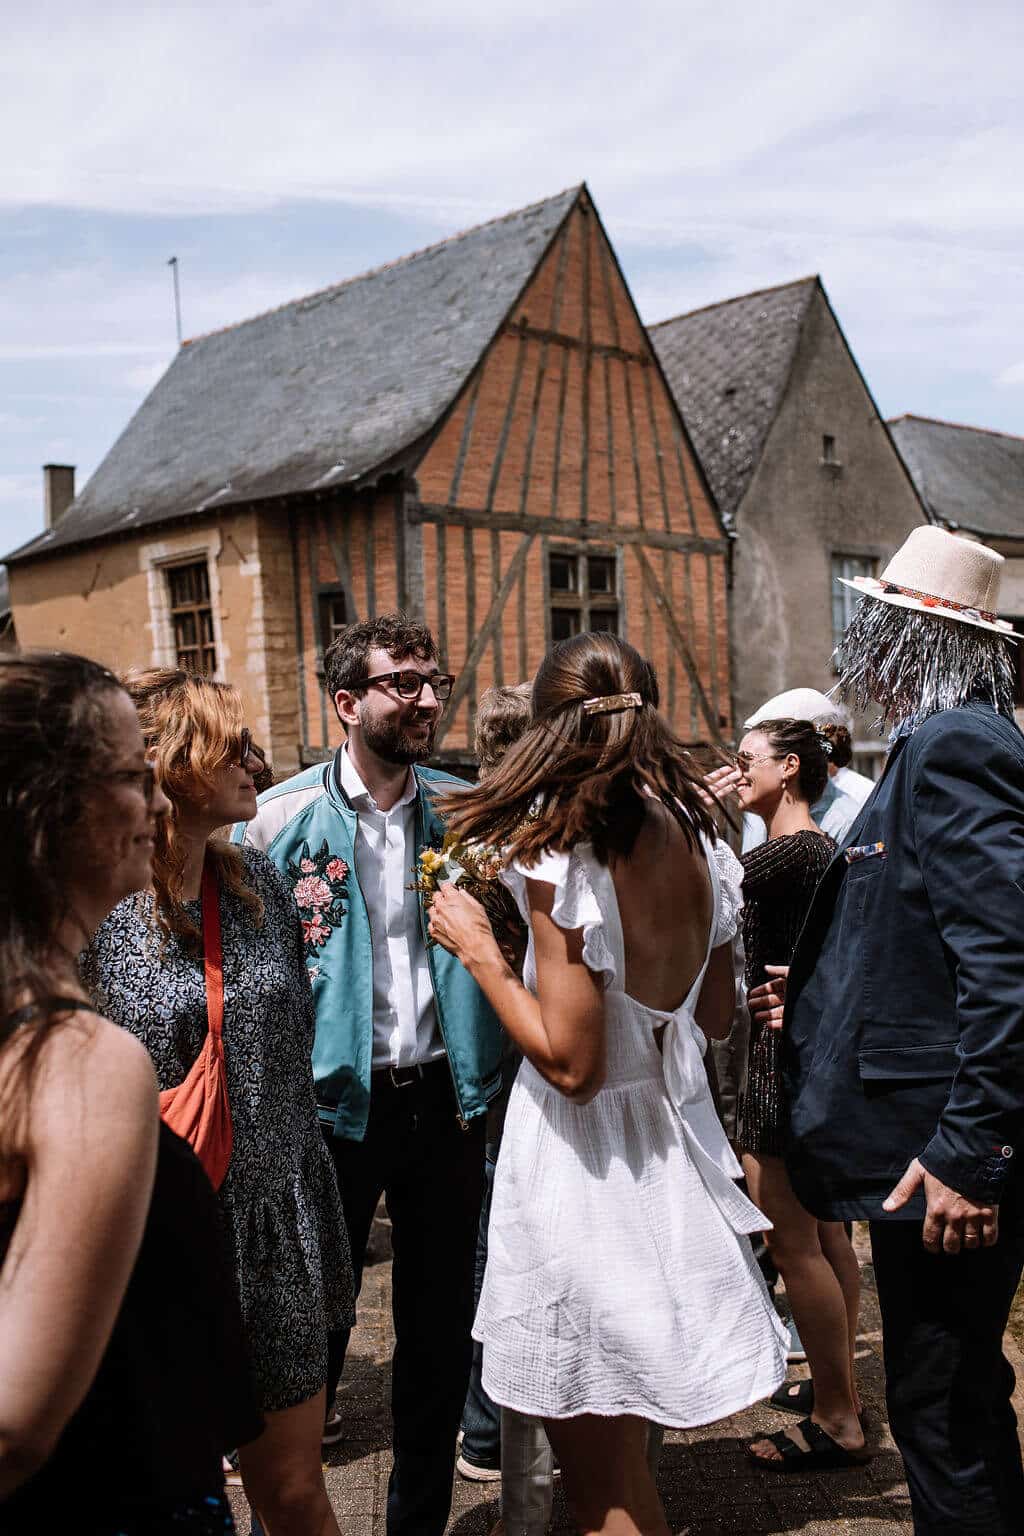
(431, 1173)
(948, 1383)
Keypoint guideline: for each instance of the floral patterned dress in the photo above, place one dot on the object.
(280, 1200)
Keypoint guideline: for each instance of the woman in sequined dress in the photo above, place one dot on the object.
(784, 768)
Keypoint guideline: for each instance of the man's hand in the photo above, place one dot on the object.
(767, 1002)
(953, 1222)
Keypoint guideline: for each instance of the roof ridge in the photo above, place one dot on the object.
(958, 426)
(755, 293)
(385, 266)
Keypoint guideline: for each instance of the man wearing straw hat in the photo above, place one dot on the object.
(904, 1028)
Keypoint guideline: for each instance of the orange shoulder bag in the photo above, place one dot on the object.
(197, 1109)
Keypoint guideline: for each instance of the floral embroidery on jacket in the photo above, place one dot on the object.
(319, 884)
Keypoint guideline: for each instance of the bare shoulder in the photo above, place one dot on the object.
(86, 1064)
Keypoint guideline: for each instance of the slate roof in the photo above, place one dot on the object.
(967, 477)
(728, 366)
(320, 392)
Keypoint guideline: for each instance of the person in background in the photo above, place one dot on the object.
(840, 802)
(125, 1375)
(407, 1052)
(503, 714)
(278, 1200)
(783, 767)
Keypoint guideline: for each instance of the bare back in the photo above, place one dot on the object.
(665, 903)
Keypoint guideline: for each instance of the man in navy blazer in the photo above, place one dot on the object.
(903, 1026)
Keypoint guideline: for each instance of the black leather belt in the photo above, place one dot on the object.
(407, 1077)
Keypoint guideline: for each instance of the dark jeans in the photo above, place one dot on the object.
(430, 1172)
(948, 1384)
(481, 1419)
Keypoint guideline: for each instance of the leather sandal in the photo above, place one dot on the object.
(795, 1397)
(823, 1454)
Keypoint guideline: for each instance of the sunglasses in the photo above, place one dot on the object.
(745, 760)
(247, 748)
(409, 685)
(144, 779)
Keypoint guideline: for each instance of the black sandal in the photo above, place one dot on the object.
(823, 1454)
(795, 1397)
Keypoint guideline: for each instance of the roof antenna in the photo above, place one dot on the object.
(173, 264)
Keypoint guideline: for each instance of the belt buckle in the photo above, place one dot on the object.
(398, 1081)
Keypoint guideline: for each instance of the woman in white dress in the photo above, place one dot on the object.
(620, 1285)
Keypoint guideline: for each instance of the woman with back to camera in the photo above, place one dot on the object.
(620, 1288)
(124, 1374)
(783, 766)
(279, 1198)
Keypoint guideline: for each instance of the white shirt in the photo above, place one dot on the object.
(405, 1030)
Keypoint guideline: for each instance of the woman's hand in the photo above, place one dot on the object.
(459, 923)
(718, 785)
(767, 1003)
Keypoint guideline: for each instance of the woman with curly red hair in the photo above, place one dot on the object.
(278, 1197)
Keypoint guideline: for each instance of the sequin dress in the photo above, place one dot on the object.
(779, 879)
(280, 1202)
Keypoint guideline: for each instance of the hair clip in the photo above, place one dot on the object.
(826, 745)
(611, 703)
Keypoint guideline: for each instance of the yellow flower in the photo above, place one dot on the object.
(431, 861)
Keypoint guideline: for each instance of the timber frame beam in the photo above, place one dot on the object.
(566, 528)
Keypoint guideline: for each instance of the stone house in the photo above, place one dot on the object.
(804, 471)
(480, 433)
(971, 481)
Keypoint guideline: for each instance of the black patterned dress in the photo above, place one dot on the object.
(280, 1201)
(779, 879)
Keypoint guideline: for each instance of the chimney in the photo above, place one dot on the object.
(58, 491)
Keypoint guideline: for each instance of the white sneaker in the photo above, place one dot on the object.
(473, 1473)
(334, 1429)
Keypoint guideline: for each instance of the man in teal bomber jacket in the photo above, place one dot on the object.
(407, 1051)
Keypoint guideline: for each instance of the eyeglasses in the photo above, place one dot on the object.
(247, 748)
(409, 685)
(143, 779)
(745, 760)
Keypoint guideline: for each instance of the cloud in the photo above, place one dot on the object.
(1011, 375)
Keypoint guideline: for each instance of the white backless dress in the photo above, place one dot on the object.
(620, 1278)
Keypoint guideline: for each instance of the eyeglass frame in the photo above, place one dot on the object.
(447, 679)
(744, 760)
(147, 774)
(247, 748)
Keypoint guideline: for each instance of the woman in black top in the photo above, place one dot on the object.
(784, 769)
(124, 1376)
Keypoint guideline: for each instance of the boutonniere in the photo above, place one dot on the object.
(319, 884)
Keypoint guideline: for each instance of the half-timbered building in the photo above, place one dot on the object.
(480, 433)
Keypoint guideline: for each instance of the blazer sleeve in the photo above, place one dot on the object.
(968, 804)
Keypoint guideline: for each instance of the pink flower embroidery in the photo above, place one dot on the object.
(314, 931)
(337, 869)
(307, 866)
(312, 891)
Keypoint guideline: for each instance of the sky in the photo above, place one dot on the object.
(276, 148)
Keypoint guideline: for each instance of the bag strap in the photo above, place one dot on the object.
(212, 953)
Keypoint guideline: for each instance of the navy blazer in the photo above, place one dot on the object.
(904, 1025)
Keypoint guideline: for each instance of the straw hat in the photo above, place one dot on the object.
(794, 704)
(937, 572)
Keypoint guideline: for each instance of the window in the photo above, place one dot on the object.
(1017, 659)
(188, 589)
(845, 599)
(828, 450)
(584, 593)
(332, 617)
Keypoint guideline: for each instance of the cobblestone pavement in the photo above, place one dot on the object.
(708, 1486)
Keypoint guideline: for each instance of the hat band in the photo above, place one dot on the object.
(931, 601)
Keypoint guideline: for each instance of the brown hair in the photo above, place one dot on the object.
(577, 777)
(805, 741)
(838, 736)
(52, 751)
(192, 727)
(347, 657)
(502, 716)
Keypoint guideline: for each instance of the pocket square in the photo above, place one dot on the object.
(865, 851)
